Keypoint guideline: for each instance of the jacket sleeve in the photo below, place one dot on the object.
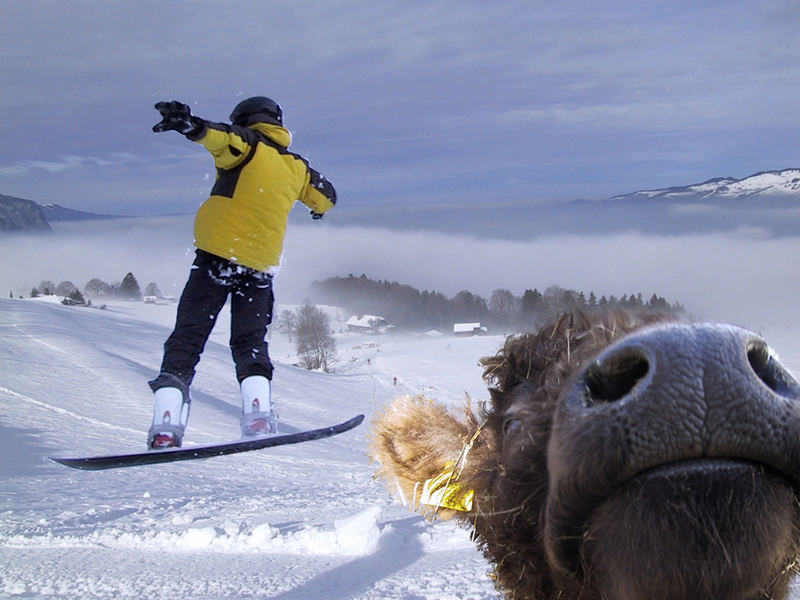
(318, 194)
(229, 145)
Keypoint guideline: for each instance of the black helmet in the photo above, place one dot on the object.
(257, 109)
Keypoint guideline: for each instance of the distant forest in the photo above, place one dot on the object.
(410, 308)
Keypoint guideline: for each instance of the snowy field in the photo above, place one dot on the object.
(305, 522)
(301, 522)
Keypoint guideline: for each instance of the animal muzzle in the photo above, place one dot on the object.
(682, 392)
(689, 400)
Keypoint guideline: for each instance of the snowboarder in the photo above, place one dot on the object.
(239, 234)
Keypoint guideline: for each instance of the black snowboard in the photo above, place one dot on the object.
(96, 463)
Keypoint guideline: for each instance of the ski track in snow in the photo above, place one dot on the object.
(63, 411)
(304, 522)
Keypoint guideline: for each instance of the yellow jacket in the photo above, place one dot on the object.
(258, 181)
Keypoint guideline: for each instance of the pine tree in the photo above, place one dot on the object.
(129, 288)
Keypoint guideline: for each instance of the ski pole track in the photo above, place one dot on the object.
(78, 364)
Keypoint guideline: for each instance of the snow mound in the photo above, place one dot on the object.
(358, 535)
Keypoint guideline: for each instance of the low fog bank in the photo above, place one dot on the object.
(153, 249)
(745, 277)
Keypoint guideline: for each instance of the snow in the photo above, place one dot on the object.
(305, 521)
(785, 183)
(301, 522)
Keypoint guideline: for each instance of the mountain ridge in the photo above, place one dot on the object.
(56, 212)
(767, 201)
(19, 214)
(782, 183)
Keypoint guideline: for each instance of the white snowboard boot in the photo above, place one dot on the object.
(258, 415)
(170, 417)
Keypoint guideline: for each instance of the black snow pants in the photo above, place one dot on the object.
(211, 280)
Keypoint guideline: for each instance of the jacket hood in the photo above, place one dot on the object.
(278, 134)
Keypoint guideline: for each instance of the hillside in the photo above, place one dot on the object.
(18, 214)
(306, 521)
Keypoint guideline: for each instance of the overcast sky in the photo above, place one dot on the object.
(400, 102)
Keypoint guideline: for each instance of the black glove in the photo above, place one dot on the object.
(315, 215)
(176, 116)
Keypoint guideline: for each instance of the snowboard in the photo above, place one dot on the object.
(115, 461)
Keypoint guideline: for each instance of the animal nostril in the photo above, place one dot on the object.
(769, 370)
(614, 377)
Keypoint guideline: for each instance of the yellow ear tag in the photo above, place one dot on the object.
(443, 492)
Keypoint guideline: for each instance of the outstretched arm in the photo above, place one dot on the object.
(229, 145)
(319, 195)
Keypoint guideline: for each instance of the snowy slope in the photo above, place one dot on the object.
(304, 522)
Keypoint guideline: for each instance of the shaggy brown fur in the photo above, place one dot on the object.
(508, 470)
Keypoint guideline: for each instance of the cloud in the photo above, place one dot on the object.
(655, 114)
(744, 277)
(64, 163)
(518, 101)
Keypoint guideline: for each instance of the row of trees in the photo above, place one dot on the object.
(308, 326)
(127, 289)
(411, 308)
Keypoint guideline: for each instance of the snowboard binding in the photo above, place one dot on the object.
(258, 423)
(165, 436)
(170, 416)
(257, 420)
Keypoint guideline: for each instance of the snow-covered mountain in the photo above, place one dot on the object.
(767, 202)
(783, 184)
